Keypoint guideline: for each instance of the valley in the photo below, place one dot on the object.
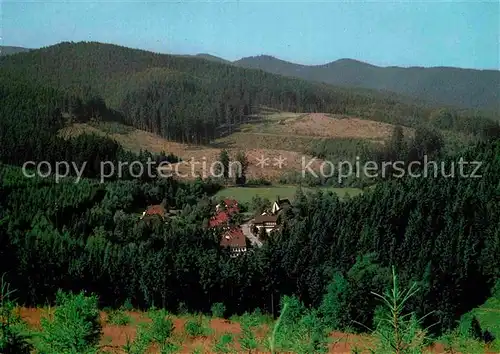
(269, 261)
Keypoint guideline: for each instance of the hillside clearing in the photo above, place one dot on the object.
(272, 136)
(198, 158)
(322, 125)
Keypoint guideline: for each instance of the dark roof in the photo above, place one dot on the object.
(260, 219)
(233, 238)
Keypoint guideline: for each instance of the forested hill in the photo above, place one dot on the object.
(183, 98)
(192, 99)
(6, 50)
(465, 88)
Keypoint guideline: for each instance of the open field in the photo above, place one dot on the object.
(245, 194)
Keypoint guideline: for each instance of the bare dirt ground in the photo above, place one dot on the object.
(114, 337)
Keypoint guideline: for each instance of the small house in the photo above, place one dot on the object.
(229, 205)
(235, 240)
(223, 213)
(267, 222)
(158, 210)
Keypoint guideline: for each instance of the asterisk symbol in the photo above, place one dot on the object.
(262, 161)
(279, 161)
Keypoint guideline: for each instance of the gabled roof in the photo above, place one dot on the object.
(231, 205)
(219, 219)
(233, 238)
(260, 219)
(223, 216)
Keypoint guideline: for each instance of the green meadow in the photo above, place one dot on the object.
(245, 194)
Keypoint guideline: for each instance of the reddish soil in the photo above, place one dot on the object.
(114, 337)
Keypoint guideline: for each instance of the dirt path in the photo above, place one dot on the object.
(248, 234)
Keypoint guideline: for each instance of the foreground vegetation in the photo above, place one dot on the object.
(75, 325)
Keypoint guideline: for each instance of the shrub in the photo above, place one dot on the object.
(168, 348)
(248, 341)
(13, 334)
(127, 305)
(158, 331)
(119, 318)
(195, 328)
(258, 182)
(253, 319)
(162, 327)
(218, 309)
(398, 332)
(334, 303)
(141, 342)
(182, 309)
(75, 326)
(223, 344)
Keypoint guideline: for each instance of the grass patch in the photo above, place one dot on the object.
(245, 194)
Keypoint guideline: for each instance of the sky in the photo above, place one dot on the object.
(386, 33)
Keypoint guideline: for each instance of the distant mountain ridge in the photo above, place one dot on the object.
(449, 86)
(7, 50)
(466, 88)
(212, 58)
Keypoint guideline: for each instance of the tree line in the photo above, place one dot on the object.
(30, 119)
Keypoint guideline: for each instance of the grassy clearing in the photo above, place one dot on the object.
(245, 194)
(479, 325)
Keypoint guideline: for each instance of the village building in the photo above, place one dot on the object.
(229, 205)
(223, 214)
(266, 222)
(158, 210)
(235, 240)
